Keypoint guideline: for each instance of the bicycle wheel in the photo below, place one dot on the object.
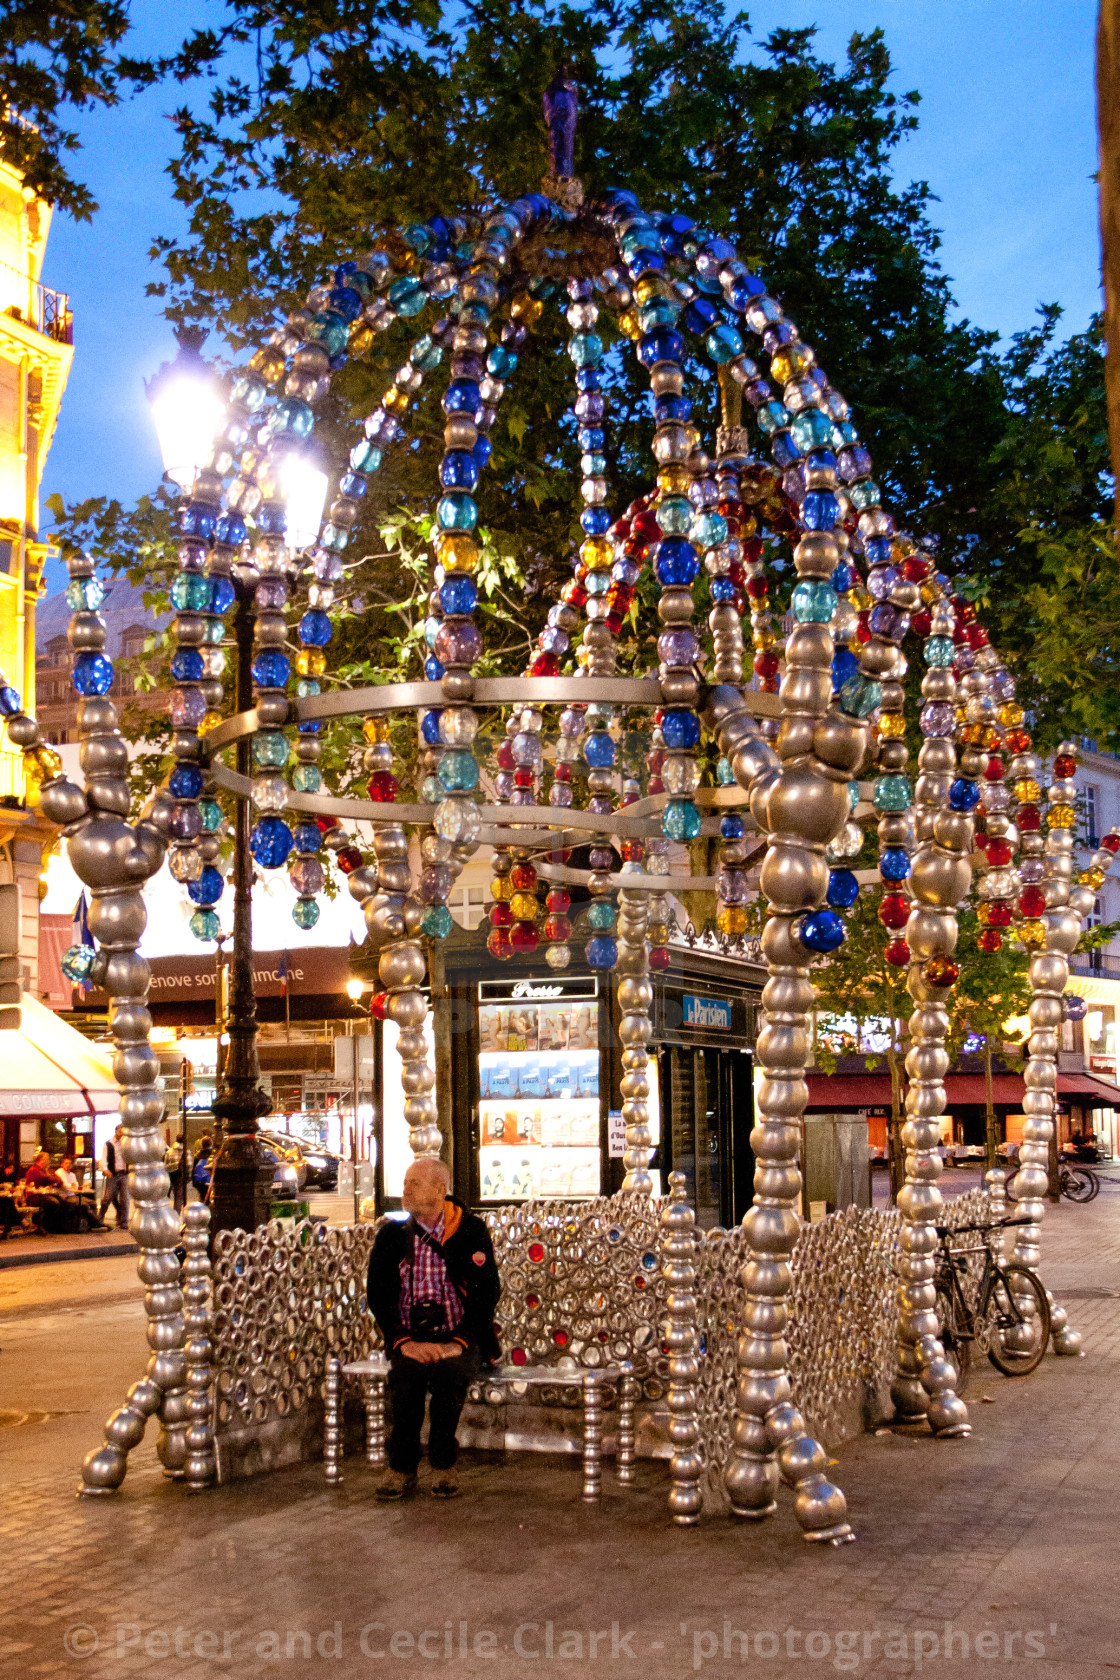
(1017, 1321)
(958, 1348)
(1096, 1190)
(1077, 1184)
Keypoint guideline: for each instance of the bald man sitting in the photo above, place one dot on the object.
(433, 1285)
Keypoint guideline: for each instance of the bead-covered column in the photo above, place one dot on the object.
(678, 1268)
(635, 999)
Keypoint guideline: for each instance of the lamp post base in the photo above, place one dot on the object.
(241, 1191)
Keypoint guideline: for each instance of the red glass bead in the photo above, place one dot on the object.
(922, 622)
(536, 1252)
(898, 953)
(613, 622)
(656, 758)
(752, 550)
(523, 936)
(1111, 842)
(504, 756)
(960, 635)
(383, 787)
(730, 507)
(939, 971)
(915, 569)
(659, 957)
(863, 628)
(757, 588)
(560, 1337)
(767, 685)
(348, 859)
(966, 612)
(573, 594)
(523, 877)
(767, 664)
(558, 929)
(990, 940)
(1017, 741)
(562, 772)
(995, 771)
(378, 1005)
(656, 785)
(736, 572)
(518, 1356)
(977, 636)
(498, 944)
(1032, 901)
(501, 916)
(545, 665)
(1065, 766)
(1000, 914)
(532, 1301)
(633, 851)
(645, 525)
(1028, 819)
(894, 911)
(523, 778)
(325, 824)
(558, 901)
(999, 852)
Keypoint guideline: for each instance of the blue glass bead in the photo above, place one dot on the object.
(457, 512)
(676, 564)
(270, 749)
(724, 342)
(306, 686)
(859, 696)
(742, 289)
(345, 301)
(230, 530)
(665, 345)
(501, 361)
(307, 778)
(772, 417)
(891, 793)
(334, 536)
(188, 665)
(853, 795)
(185, 781)
(680, 729)
(700, 315)
(190, 592)
(222, 595)
(601, 952)
(198, 519)
(596, 521)
(600, 915)
(645, 262)
(877, 549)
(208, 888)
(599, 749)
(292, 416)
(964, 795)
(305, 912)
(482, 450)
(77, 962)
(844, 577)
(330, 330)
(365, 457)
(843, 889)
(458, 470)
(888, 621)
(725, 776)
(9, 701)
(939, 650)
(272, 519)
(417, 237)
(353, 485)
(85, 594)
(92, 674)
(732, 827)
(708, 530)
(894, 865)
(722, 589)
(310, 726)
(820, 510)
(437, 922)
(271, 668)
(429, 728)
(271, 840)
(810, 428)
(407, 295)
(211, 814)
(587, 379)
(585, 349)
(813, 601)
(659, 312)
(458, 771)
(433, 669)
(821, 460)
(680, 820)
(675, 515)
(845, 665)
(459, 594)
(462, 397)
(205, 924)
(783, 449)
(591, 439)
(671, 408)
(592, 466)
(307, 837)
(315, 628)
(821, 931)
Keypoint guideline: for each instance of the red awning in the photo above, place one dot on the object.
(846, 1093)
(1099, 1091)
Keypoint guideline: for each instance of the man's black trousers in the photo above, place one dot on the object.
(409, 1382)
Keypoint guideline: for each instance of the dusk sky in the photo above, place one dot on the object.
(1006, 141)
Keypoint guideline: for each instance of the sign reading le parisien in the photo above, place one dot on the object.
(707, 1012)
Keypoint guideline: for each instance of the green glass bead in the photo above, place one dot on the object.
(307, 778)
(305, 912)
(270, 749)
(813, 602)
(206, 924)
(437, 922)
(600, 914)
(892, 793)
(681, 820)
(211, 813)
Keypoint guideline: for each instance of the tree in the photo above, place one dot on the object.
(993, 990)
(53, 56)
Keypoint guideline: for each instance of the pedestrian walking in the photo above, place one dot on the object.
(114, 1190)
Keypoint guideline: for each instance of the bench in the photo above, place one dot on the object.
(374, 1371)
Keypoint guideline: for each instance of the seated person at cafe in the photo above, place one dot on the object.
(433, 1285)
(45, 1191)
(11, 1206)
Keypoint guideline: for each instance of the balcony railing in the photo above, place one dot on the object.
(26, 300)
(1096, 962)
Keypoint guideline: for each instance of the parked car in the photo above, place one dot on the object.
(322, 1168)
(289, 1151)
(286, 1181)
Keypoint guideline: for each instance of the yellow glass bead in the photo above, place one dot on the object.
(983, 914)
(1091, 878)
(748, 525)
(1010, 715)
(929, 592)
(526, 308)
(892, 726)
(525, 906)
(659, 933)
(732, 919)
(787, 363)
(210, 721)
(978, 735)
(1026, 790)
(396, 400)
(376, 730)
(902, 549)
(596, 553)
(764, 638)
(861, 598)
(310, 662)
(1061, 816)
(674, 478)
(583, 654)
(268, 362)
(1032, 933)
(628, 321)
(457, 552)
(651, 286)
(42, 762)
(362, 336)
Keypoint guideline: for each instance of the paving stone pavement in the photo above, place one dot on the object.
(991, 1555)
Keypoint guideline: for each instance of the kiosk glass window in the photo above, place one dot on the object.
(539, 1106)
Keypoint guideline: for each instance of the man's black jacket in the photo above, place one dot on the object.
(468, 1255)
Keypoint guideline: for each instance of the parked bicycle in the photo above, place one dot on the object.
(1010, 1320)
(1078, 1184)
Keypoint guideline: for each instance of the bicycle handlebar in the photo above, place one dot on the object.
(994, 1225)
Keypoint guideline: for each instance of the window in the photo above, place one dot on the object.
(1092, 815)
(1092, 920)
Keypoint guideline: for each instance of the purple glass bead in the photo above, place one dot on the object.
(485, 417)
(793, 483)
(326, 565)
(435, 883)
(306, 877)
(964, 659)
(881, 580)
(1031, 871)
(626, 571)
(601, 804)
(503, 786)
(457, 642)
(271, 593)
(560, 793)
(571, 721)
(192, 555)
(590, 405)
(184, 822)
(678, 648)
(889, 621)
(186, 707)
(554, 640)
(523, 796)
(938, 720)
(731, 885)
(601, 857)
(1003, 685)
